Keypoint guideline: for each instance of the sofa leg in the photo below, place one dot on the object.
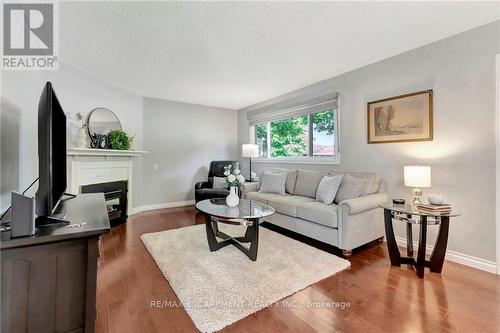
(380, 240)
(346, 253)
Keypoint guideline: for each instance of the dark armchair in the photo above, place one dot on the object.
(204, 190)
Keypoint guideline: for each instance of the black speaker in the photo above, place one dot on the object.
(23, 215)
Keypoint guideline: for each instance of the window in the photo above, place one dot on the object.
(323, 133)
(289, 137)
(310, 135)
(261, 139)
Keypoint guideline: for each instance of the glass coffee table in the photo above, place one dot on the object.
(412, 216)
(248, 213)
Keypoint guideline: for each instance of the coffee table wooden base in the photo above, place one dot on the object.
(251, 236)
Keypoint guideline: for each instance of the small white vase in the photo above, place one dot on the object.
(81, 139)
(232, 200)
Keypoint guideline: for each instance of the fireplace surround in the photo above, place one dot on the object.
(108, 171)
(115, 195)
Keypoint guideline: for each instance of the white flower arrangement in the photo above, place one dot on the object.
(233, 177)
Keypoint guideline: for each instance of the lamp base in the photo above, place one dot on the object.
(417, 195)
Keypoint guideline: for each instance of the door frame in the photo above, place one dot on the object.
(497, 167)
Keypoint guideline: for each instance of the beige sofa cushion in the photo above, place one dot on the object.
(320, 213)
(372, 181)
(273, 183)
(291, 178)
(351, 187)
(307, 182)
(262, 197)
(288, 204)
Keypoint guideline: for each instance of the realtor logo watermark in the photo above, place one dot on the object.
(30, 39)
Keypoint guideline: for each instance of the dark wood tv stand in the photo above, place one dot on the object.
(49, 279)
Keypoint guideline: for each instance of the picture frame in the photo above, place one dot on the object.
(402, 118)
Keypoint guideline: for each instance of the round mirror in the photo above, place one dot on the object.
(102, 121)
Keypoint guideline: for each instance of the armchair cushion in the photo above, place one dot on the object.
(200, 185)
(216, 169)
(362, 204)
(204, 190)
(214, 191)
(219, 182)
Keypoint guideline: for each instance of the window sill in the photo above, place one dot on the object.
(299, 160)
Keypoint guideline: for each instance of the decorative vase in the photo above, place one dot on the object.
(232, 200)
(81, 139)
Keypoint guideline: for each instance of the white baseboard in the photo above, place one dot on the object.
(172, 204)
(459, 258)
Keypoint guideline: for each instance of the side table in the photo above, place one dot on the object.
(406, 214)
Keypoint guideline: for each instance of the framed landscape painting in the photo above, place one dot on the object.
(403, 118)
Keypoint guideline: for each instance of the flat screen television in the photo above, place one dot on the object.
(51, 156)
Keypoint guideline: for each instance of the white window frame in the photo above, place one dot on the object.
(332, 160)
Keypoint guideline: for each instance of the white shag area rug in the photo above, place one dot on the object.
(219, 288)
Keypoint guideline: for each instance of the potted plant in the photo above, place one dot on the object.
(118, 139)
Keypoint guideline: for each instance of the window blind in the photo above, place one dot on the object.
(306, 107)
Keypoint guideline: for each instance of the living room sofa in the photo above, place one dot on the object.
(347, 224)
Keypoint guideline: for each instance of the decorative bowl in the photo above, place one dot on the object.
(435, 199)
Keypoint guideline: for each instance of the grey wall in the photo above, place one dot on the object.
(77, 91)
(182, 139)
(461, 71)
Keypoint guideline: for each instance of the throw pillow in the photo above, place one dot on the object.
(371, 181)
(273, 182)
(291, 178)
(219, 182)
(327, 189)
(307, 183)
(351, 187)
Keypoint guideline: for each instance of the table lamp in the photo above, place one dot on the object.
(250, 150)
(417, 176)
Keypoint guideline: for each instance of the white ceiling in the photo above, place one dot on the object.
(235, 54)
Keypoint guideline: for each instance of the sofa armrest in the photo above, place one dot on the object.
(362, 204)
(200, 185)
(247, 188)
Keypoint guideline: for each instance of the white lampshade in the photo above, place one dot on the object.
(249, 150)
(417, 176)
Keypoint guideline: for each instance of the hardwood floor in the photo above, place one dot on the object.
(382, 299)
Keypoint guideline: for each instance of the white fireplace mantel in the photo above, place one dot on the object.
(104, 152)
(88, 166)
(87, 173)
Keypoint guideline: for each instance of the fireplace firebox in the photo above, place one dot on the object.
(115, 194)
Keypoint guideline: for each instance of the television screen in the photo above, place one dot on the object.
(51, 152)
(58, 151)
